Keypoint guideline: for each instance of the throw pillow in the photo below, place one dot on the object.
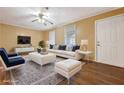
(51, 46)
(69, 47)
(55, 46)
(75, 47)
(62, 47)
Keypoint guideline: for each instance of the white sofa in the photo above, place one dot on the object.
(66, 54)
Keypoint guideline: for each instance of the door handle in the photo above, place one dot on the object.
(98, 44)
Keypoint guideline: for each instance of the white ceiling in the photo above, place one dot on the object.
(22, 16)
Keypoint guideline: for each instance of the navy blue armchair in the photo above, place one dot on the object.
(12, 55)
(10, 60)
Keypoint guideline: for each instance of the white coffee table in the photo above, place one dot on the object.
(42, 59)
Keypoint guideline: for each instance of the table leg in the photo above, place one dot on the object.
(68, 81)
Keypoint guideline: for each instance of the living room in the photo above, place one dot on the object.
(81, 26)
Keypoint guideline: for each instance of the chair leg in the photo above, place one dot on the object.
(1, 68)
(3, 76)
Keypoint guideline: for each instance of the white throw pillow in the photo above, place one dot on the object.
(55, 46)
(69, 47)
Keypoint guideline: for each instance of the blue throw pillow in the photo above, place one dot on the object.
(76, 47)
(51, 46)
(62, 47)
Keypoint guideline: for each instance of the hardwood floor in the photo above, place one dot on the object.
(91, 74)
(4, 76)
(94, 73)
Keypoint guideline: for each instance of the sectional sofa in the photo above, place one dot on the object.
(64, 51)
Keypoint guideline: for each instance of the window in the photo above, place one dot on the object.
(52, 37)
(69, 34)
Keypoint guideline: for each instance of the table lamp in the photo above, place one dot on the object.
(84, 45)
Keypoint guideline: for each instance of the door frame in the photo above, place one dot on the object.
(96, 30)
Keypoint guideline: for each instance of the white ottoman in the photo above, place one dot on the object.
(42, 59)
(68, 68)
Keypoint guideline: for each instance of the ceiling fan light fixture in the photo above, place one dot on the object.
(46, 14)
(43, 17)
(37, 14)
(43, 21)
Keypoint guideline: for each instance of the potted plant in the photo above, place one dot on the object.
(38, 49)
(42, 46)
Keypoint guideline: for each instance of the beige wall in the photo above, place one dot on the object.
(9, 36)
(46, 35)
(59, 33)
(86, 29)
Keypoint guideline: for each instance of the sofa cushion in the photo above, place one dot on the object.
(13, 61)
(63, 52)
(69, 53)
(52, 50)
(55, 46)
(68, 65)
(75, 47)
(62, 47)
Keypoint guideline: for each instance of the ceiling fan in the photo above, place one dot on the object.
(42, 18)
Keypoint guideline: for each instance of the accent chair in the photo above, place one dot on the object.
(10, 61)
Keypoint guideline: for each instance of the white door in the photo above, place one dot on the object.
(109, 41)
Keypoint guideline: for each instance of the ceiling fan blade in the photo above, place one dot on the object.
(34, 20)
(48, 21)
(45, 24)
(34, 15)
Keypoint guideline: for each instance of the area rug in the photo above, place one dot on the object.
(33, 74)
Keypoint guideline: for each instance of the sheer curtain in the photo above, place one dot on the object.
(52, 37)
(69, 34)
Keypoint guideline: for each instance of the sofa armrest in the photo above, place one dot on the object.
(77, 55)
